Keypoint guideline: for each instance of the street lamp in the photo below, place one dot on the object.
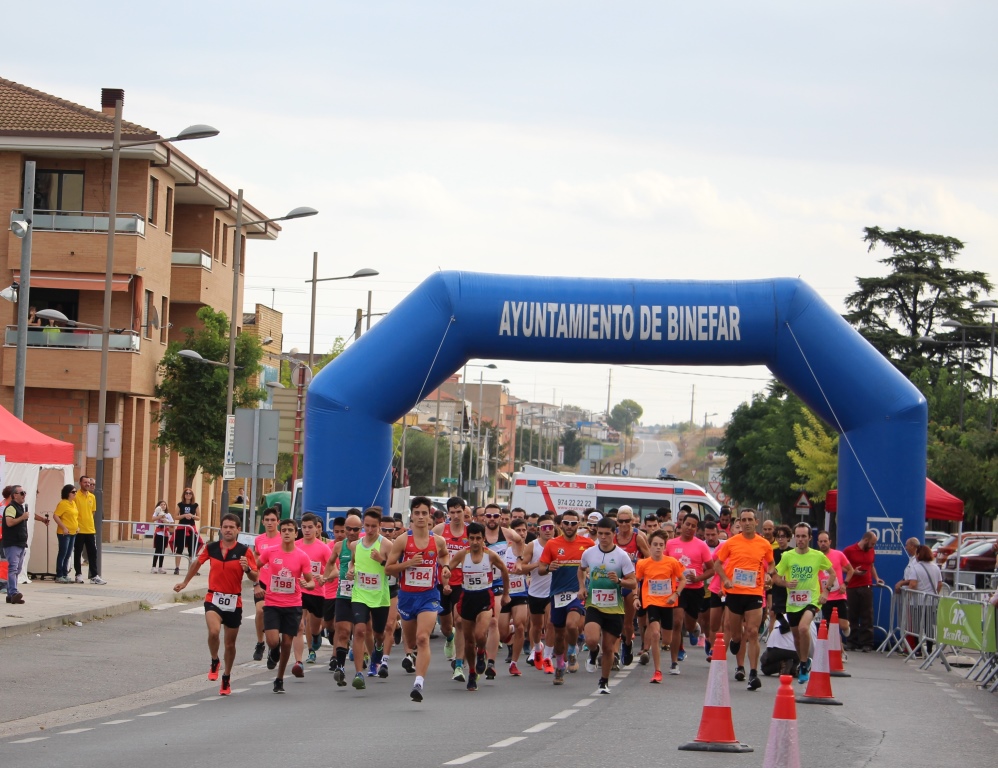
(192, 132)
(963, 355)
(22, 230)
(478, 435)
(365, 272)
(464, 400)
(237, 254)
(992, 305)
(190, 354)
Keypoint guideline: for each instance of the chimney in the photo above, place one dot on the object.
(108, 96)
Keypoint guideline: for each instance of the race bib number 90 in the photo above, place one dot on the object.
(517, 583)
(223, 601)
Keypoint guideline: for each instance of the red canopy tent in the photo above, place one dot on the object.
(22, 444)
(939, 503)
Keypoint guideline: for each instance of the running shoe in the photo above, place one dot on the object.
(590, 665)
(573, 662)
(513, 669)
(350, 654)
(472, 682)
(490, 671)
(695, 635)
(538, 660)
(616, 662)
(559, 677)
(548, 667)
(674, 669)
(604, 686)
(226, 688)
(258, 651)
(682, 654)
(480, 662)
(707, 647)
(657, 677)
(458, 673)
(627, 655)
(449, 646)
(213, 671)
(509, 654)
(643, 657)
(278, 686)
(273, 657)
(310, 659)
(372, 670)
(416, 694)
(340, 677)
(409, 663)
(740, 674)
(298, 670)
(332, 663)
(397, 635)
(754, 683)
(97, 580)
(358, 682)
(79, 578)
(367, 659)
(805, 672)
(383, 670)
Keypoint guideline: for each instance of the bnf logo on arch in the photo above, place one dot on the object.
(890, 539)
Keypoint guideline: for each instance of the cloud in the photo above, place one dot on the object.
(402, 196)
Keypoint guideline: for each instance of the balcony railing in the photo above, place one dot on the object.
(191, 259)
(72, 338)
(82, 221)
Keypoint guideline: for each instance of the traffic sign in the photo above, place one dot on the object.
(301, 376)
(448, 481)
(803, 505)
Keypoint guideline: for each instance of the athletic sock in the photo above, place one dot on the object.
(450, 637)
(753, 673)
(341, 657)
(418, 680)
(384, 659)
(560, 661)
(316, 640)
(592, 655)
(548, 652)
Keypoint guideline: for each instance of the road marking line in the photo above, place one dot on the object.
(262, 682)
(240, 690)
(540, 727)
(117, 722)
(615, 681)
(199, 610)
(583, 703)
(468, 758)
(564, 714)
(991, 725)
(151, 714)
(982, 717)
(164, 606)
(75, 730)
(507, 742)
(184, 706)
(28, 741)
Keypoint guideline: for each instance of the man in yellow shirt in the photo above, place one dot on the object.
(86, 537)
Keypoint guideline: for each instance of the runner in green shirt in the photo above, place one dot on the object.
(799, 571)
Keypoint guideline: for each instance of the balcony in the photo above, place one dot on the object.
(73, 338)
(82, 221)
(191, 259)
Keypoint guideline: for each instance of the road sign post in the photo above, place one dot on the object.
(803, 505)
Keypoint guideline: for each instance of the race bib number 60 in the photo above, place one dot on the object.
(223, 601)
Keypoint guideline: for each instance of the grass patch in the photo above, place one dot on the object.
(186, 598)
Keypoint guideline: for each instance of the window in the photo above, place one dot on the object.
(217, 244)
(225, 245)
(153, 199)
(169, 209)
(242, 255)
(163, 324)
(147, 311)
(58, 190)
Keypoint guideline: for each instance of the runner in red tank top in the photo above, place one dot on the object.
(635, 544)
(455, 533)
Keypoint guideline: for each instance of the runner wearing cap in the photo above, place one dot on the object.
(539, 595)
(635, 544)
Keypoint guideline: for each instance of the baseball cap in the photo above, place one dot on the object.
(594, 517)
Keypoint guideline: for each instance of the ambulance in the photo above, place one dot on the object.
(539, 490)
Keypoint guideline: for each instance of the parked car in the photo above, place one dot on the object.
(948, 547)
(934, 538)
(974, 556)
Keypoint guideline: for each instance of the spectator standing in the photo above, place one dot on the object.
(859, 590)
(67, 521)
(86, 536)
(15, 540)
(187, 528)
(161, 536)
(922, 572)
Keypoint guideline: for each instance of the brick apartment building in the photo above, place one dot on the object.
(174, 237)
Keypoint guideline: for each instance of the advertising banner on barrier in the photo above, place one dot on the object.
(962, 625)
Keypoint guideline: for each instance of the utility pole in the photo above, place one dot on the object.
(692, 400)
(609, 381)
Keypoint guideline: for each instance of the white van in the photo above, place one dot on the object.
(538, 490)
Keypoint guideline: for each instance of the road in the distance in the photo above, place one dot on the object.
(651, 456)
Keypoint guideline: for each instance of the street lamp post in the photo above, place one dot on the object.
(963, 356)
(365, 272)
(23, 290)
(992, 305)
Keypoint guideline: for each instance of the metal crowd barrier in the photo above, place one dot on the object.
(133, 526)
(914, 623)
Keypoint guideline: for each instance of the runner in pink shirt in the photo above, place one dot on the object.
(842, 567)
(289, 570)
(269, 538)
(698, 567)
(312, 604)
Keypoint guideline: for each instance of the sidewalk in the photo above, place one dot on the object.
(129, 587)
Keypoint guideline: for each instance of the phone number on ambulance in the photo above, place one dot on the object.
(573, 503)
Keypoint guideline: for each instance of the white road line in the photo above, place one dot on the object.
(982, 717)
(262, 682)
(184, 706)
(615, 681)
(468, 758)
(152, 714)
(198, 611)
(564, 714)
(508, 742)
(991, 725)
(117, 722)
(583, 703)
(240, 690)
(29, 740)
(164, 606)
(75, 730)
(540, 727)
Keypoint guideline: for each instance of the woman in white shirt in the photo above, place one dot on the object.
(922, 573)
(161, 537)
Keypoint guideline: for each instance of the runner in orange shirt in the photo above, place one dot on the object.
(662, 580)
(746, 559)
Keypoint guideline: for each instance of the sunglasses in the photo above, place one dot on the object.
(24, 493)
(388, 530)
(493, 517)
(547, 527)
(624, 520)
(352, 530)
(566, 522)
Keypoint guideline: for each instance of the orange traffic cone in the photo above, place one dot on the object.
(835, 667)
(717, 732)
(783, 748)
(819, 686)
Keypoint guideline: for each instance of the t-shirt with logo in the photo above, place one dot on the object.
(863, 559)
(568, 555)
(318, 556)
(284, 569)
(225, 578)
(806, 570)
(261, 544)
(601, 593)
(745, 562)
(839, 562)
(692, 554)
(659, 579)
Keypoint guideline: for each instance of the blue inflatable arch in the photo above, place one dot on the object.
(781, 323)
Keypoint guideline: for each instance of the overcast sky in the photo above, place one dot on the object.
(605, 139)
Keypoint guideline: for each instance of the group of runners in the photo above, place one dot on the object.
(548, 588)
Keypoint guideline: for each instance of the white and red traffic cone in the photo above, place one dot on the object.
(835, 666)
(783, 747)
(819, 685)
(717, 731)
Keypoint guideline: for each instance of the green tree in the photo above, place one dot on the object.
(623, 415)
(816, 456)
(193, 394)
(338, 346)
(574, 447)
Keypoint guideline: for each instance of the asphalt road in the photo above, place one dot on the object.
(132, 690)
(650, 457)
